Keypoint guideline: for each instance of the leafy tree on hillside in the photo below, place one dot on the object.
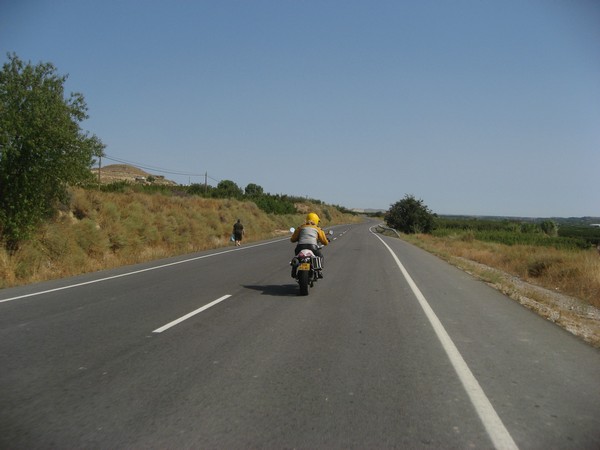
(254, 190)
(274, 204)
(410, 215)
(42, 147)
(228, 189)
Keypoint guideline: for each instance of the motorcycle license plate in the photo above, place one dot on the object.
(304, 266)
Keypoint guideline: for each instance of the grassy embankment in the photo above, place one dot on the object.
(101, 230)
(574, 272)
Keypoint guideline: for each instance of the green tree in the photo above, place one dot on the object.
(228, 189)
(275, 204)
(550, 228)
(42, 147)
(529, 227)
(196, 189)
(410, 215)
(253, 190)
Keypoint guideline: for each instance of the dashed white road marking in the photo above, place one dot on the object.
(193, 313)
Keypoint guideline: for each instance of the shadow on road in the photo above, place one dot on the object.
(277, 290)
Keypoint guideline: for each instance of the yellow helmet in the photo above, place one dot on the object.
(312, 217)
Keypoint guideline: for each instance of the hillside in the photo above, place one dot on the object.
(100, 230)
(123, 172)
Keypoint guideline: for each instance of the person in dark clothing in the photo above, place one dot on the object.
(238, 232)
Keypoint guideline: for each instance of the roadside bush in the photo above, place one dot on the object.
(274, 205)
(537, 268)
(117, 186)
(90, 238)
(27, 262)
(410, 215)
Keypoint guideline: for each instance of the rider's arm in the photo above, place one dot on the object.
(322, 237)
(296, 235)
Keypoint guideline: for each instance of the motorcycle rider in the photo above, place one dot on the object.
(308, 237)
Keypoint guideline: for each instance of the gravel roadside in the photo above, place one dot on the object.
(570, 313)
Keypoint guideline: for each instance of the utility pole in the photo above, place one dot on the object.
(99, 168)
(205, 182)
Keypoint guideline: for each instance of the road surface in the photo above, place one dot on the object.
(394, 348)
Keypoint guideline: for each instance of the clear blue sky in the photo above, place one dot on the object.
(477, 107)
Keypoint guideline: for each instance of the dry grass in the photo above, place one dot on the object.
(105, 230)
(572, 272)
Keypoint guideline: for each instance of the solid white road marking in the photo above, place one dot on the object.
(139, 271)
(488, 415)
(193, 313)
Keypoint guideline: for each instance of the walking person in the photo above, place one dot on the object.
(238, 232)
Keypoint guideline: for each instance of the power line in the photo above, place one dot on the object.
(143, 166)
(157, 169)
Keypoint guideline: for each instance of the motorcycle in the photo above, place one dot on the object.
(307, 267)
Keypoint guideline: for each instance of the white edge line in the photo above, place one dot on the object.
(193, 313)
(488, 415)
(137, 271)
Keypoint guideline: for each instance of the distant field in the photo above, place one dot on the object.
(560, 256)
(587, 233)
(521, 232)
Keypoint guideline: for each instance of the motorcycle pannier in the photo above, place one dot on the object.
(316, 263)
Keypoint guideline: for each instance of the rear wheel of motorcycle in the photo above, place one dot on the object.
(303, 281)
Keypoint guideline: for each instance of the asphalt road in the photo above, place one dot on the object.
(393, 349)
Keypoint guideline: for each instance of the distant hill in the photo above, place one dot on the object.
(130, 174)
(368, 211)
